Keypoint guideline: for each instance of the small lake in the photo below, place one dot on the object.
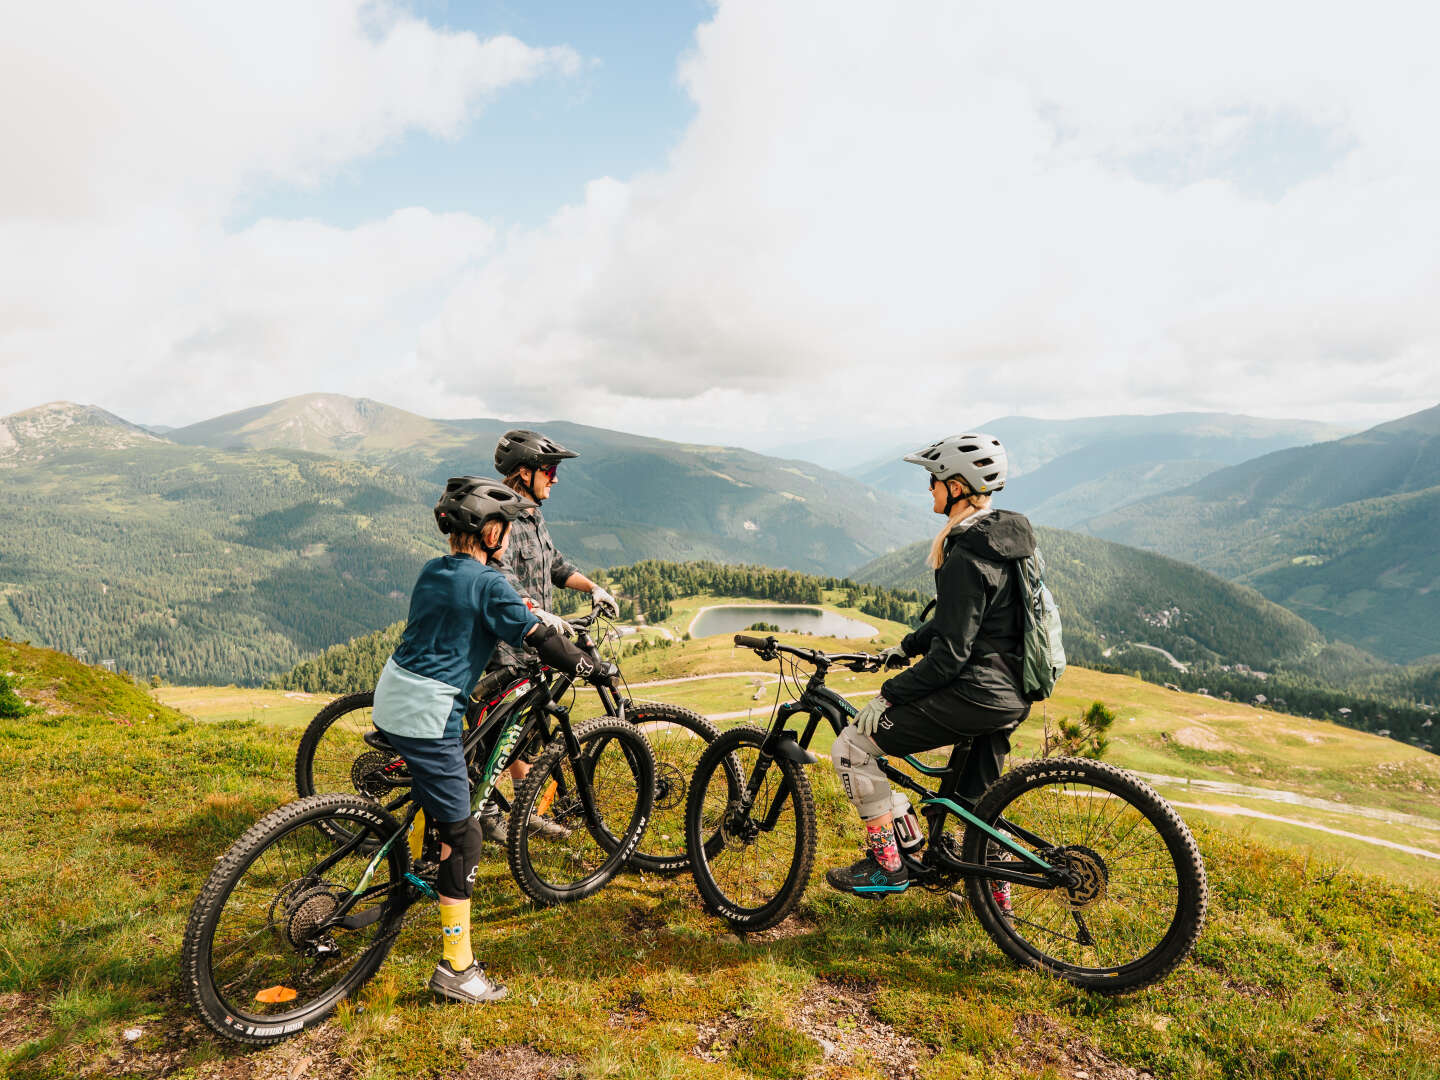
(794, 618)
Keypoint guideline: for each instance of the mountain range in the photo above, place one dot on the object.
(1345, 533)
(229, 549)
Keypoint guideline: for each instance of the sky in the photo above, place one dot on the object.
(757, 222)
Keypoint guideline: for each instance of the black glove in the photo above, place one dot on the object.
(560, 654)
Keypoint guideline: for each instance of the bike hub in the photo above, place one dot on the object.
(308, 910)
(669, 786)
(367, 773)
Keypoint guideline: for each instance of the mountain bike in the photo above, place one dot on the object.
(304, 908)
(1107, 888)
(334, 757)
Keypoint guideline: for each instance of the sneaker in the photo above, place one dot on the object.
(868, 878)
(550, 830)
(469, 987)
(1000, 893)
(493, 823)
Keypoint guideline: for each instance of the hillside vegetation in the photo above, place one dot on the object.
(1342, 532)
(1304, 971)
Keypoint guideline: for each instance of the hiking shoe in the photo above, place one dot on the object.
(1000, 893)
(550, 830)
(469, 987)
(868, 878)
(493, 823)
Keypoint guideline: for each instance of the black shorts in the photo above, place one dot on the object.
(438, 777)
(944, 718)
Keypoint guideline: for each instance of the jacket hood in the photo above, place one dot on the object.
(1000, 534)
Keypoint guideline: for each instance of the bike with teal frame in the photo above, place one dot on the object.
(304, 908)
(1107, 888)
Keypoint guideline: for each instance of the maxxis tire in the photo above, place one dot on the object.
(1189, 866)
(315, 731)
(619, 848)
(644, 712)
(200, 928)
(803, 859)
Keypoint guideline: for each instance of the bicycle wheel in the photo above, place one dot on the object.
(1136, 900)
(257, 959)
(616, 759)
(677, 737)
(751, 867)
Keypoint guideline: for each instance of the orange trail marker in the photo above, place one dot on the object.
(273, 995)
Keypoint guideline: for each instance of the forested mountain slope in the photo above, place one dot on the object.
(1110, 594)
(627, 497)
(1343, 533)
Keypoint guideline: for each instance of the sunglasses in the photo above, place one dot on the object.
(550, 471)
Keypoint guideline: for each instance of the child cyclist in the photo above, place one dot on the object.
(966, 688)
(460, 608)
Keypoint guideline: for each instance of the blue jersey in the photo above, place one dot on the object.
(459, 609)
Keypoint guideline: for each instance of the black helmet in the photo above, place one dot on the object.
(470, 501)
(520, 449)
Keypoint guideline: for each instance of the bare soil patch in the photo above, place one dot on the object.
(1049, 1046)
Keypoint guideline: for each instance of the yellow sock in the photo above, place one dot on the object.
(455, 930)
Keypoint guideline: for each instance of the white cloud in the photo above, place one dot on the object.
(923, 214)
(948, 211)
(143, 124)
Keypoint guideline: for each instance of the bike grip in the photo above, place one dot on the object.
(753, 642)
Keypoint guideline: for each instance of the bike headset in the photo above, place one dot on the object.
(470, 502)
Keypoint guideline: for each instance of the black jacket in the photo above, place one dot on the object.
(977, 620)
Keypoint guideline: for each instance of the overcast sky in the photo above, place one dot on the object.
(751, 222)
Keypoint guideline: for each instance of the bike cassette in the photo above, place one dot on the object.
(371, 773)
(1089, 876)
(669, 786)
(307, 910)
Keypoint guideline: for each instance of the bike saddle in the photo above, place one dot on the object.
(376, 738)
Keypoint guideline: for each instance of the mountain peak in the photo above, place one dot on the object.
(1424, 422)
(32, 434)
(322, 423)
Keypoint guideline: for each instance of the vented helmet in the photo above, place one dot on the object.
(470, 501)
(519, 449)
(977, 459)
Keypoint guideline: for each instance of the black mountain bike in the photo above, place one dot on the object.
(304, 908)
(1106, 886)
(335, 757)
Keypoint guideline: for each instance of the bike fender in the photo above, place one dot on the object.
(785, 746)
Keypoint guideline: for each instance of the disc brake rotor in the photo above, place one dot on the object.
(669, 786)
(1090, 877)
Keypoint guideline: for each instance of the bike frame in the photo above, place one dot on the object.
(525, 705)
(818, 703)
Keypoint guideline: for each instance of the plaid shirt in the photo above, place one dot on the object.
(534, 567)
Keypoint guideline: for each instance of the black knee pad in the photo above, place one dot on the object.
(457, 873)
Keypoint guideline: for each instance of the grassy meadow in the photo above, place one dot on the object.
(1319, 959)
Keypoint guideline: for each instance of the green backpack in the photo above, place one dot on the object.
(1044, 661)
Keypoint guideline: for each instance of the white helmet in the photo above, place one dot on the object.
(978, 459)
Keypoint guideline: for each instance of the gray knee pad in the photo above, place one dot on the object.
(457, 873)
(854, 757)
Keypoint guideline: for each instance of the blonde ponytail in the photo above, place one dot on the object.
(962, 509)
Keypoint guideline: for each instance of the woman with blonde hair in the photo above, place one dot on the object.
(966, 689)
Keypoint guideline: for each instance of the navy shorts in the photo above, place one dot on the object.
(437, 770)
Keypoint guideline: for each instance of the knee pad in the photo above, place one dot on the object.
(457, 873)
(854, 757)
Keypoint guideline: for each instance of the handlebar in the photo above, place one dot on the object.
(769, 648)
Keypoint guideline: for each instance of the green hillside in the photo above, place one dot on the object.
(1307, 968)
(204, 565)
(1342, 533)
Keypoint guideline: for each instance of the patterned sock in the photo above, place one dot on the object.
(881, 841)
(455, 931)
